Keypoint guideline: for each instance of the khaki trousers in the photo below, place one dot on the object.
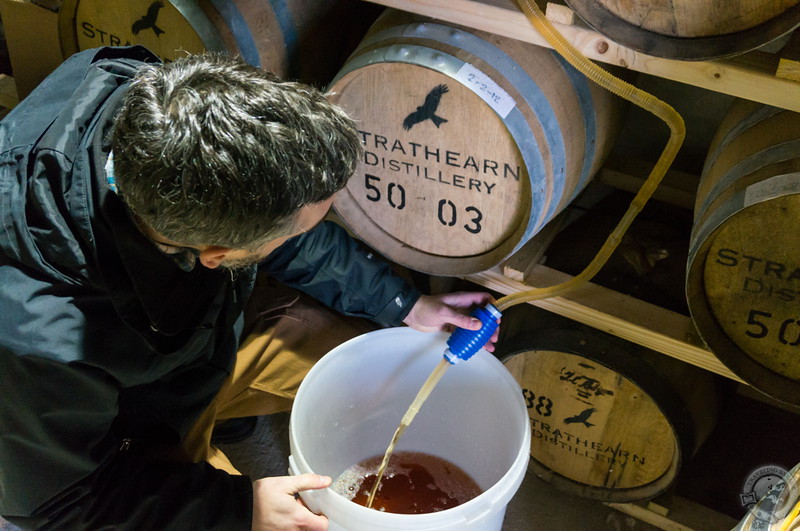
(285, 333)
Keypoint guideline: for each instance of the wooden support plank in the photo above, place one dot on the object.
(789, 63)
(656, 508)
(643, 323)
(649, 517)
(523, 261)
(788, 69)
(560, 14)
(679, 514)
(749, 76)
(676, 188)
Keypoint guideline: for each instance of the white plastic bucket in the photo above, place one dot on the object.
(351, 402)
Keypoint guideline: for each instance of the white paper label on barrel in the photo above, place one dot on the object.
(489, 91)
(773, 187)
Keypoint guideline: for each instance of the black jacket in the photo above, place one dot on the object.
(104, 341)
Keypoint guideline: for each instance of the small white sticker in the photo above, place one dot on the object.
(773, 187)
(489, 91)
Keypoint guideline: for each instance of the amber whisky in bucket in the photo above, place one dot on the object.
(414, 483)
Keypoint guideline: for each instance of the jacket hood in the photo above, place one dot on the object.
(51, 177)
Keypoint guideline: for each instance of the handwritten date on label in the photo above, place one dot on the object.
(485, 87)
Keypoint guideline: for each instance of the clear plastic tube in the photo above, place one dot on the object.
(636, 96)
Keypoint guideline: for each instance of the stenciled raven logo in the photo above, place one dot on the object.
(582, 417)
(427, 110)
(149, 20)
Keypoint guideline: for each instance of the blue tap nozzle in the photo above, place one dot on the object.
(463, 344)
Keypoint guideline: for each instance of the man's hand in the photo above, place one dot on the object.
(275, 507)
(433, 313)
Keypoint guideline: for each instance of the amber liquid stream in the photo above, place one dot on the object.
(422, 395)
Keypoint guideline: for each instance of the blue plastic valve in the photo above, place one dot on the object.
(463, 344)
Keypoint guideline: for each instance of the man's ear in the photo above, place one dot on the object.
(212, 256)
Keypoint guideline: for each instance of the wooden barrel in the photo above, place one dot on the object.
(282, 36)
(743, 272)
(472, 142)
(690, 29)
(610, 420)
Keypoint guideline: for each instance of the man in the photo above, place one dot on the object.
(135, 200)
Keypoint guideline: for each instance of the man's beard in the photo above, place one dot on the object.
(240, 264)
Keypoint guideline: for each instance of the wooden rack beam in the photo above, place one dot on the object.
(643, 323)
(750, 76)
